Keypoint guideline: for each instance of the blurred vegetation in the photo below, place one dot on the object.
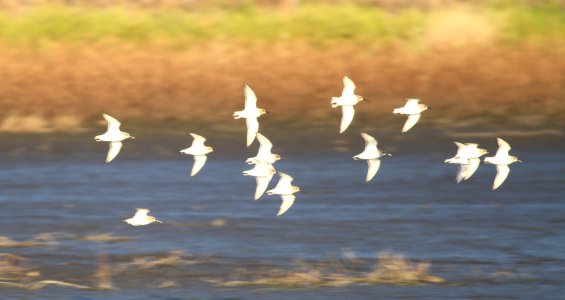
(315, 22)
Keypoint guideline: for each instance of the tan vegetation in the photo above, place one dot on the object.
(64, 87)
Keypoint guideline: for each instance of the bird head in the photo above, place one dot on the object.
(295, 189)
(514, 159)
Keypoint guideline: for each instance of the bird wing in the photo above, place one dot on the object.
(412, 103)
(141, 213)
(265, 146)
(348, 87)
(369, 140)
(113, 124)
(115, 148)
(252, 129)
(287, 202)
(374, 165)
(462, 172)
(199, 161)
(198, 140)
(250, 98)
(410, 122)
(502, 172)
(473, 166)
(285, 180)
(262, 185)
(503, 147)
(347, 112)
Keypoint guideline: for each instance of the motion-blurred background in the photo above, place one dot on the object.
(166, 68)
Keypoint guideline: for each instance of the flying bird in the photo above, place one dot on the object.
(467, 158)
(286, 190)
(501, 159)
(372, 155)
(413, 109)
(347, 100)
(141, 218)
(263, 173)
(199, 151)
(250, 113)
(114, 136)
(264, 154)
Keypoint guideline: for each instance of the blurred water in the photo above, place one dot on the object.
(504, 244)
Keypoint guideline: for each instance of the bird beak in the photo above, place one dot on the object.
(429, 108)
(267, 112)
(132, 137)
(519, 161)
(365, 99)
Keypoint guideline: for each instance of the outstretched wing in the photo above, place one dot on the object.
(503, 147)
(348, 87)
(374, 165)
(410, 122)
(502, 172)
(462, 172)
(252, 129)
(347, 112)
(262, 185)
(412, 103)
(113, 124)
(250, 98)
(285, 180)
(265, 146)
(473, 166)
(369, 140)
(115, 148)
(141, 213)
(287, 202)
(199, 161)
(198, 140)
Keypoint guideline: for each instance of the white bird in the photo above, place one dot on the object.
(141, 218)
(264, 154)
(250, 113)
(263, 173)
(113, 135)
(413, 109)
(501, 159)
(286, 190)
(199, 151)
(347, 100)
(468, 158)
(372, 155)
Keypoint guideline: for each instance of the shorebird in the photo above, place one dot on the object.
(250, 113)
(264, 154)
(467, 158)
(114, 136)
(199, 151)
(286, 190)
(347, 100)
(413, 109)
(501, 159)
(263, 173)
(372, 155)
(141, 218)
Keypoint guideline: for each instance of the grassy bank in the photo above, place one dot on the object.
(315, 23)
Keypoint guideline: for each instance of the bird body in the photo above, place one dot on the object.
(264, 154)
(199, 151)
(468, 158)
(501, 159)
(250, 113)
(263, 173)
(141, 218)
(372, 155)
(347, 100)
(412, 109)
(285, 189)
(114, 136)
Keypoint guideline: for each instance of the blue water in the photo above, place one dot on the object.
(504, 244)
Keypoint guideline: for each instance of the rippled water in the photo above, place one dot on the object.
(504, 244)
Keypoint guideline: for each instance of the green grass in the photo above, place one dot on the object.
(316, 23)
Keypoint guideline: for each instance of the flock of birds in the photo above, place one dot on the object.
(467, 157)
